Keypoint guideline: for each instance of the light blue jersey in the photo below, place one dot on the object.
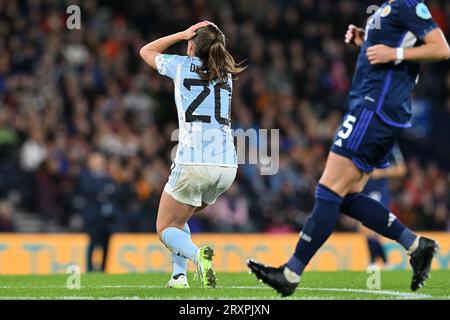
(204, 113)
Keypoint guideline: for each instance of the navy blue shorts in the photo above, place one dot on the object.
(365, 139)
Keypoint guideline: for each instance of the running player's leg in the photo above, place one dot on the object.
(377, 189)
(339, 176)
(379, 218)
(376, 216)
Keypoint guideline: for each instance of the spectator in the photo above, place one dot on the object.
(6, 225)
(99, 192)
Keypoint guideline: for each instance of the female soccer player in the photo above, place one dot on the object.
(205, 164)
(399, 34)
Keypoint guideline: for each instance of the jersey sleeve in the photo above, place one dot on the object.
(416, 17)
(167, 64)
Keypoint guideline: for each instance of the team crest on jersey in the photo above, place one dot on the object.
(386, 11)
(423, 12)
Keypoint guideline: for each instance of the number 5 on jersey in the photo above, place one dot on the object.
(347, 129)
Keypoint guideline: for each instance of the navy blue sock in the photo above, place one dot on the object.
(377, 217)
(382, 252)
(371, 243)
(317, 229)
(376, 250)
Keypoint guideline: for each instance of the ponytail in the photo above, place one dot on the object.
(218, 63)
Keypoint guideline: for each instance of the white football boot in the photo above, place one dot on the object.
(178, 281)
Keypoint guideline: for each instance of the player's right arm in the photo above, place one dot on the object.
(150, 51)
(354, 35)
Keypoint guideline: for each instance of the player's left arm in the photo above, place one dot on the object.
(435, 48)
(396, 171)
(398, 168)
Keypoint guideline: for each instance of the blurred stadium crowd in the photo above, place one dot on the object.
(85, 125)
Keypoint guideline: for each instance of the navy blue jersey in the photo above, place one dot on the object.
(386, 88)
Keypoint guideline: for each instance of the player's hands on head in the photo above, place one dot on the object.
(190, 32)
(354, 35)
(380, 53)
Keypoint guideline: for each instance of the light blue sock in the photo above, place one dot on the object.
(180, 243)
(180, 263)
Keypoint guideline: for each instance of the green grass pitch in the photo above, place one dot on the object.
(314, 285)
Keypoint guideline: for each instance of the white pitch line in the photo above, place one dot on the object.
(72, 298)
(399, 294)
(121, 286)
(83, 287)
(378, 292)
(151, 298)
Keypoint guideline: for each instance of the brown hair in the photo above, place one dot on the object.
(217, 62)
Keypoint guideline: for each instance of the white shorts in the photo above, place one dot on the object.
(196, 185)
